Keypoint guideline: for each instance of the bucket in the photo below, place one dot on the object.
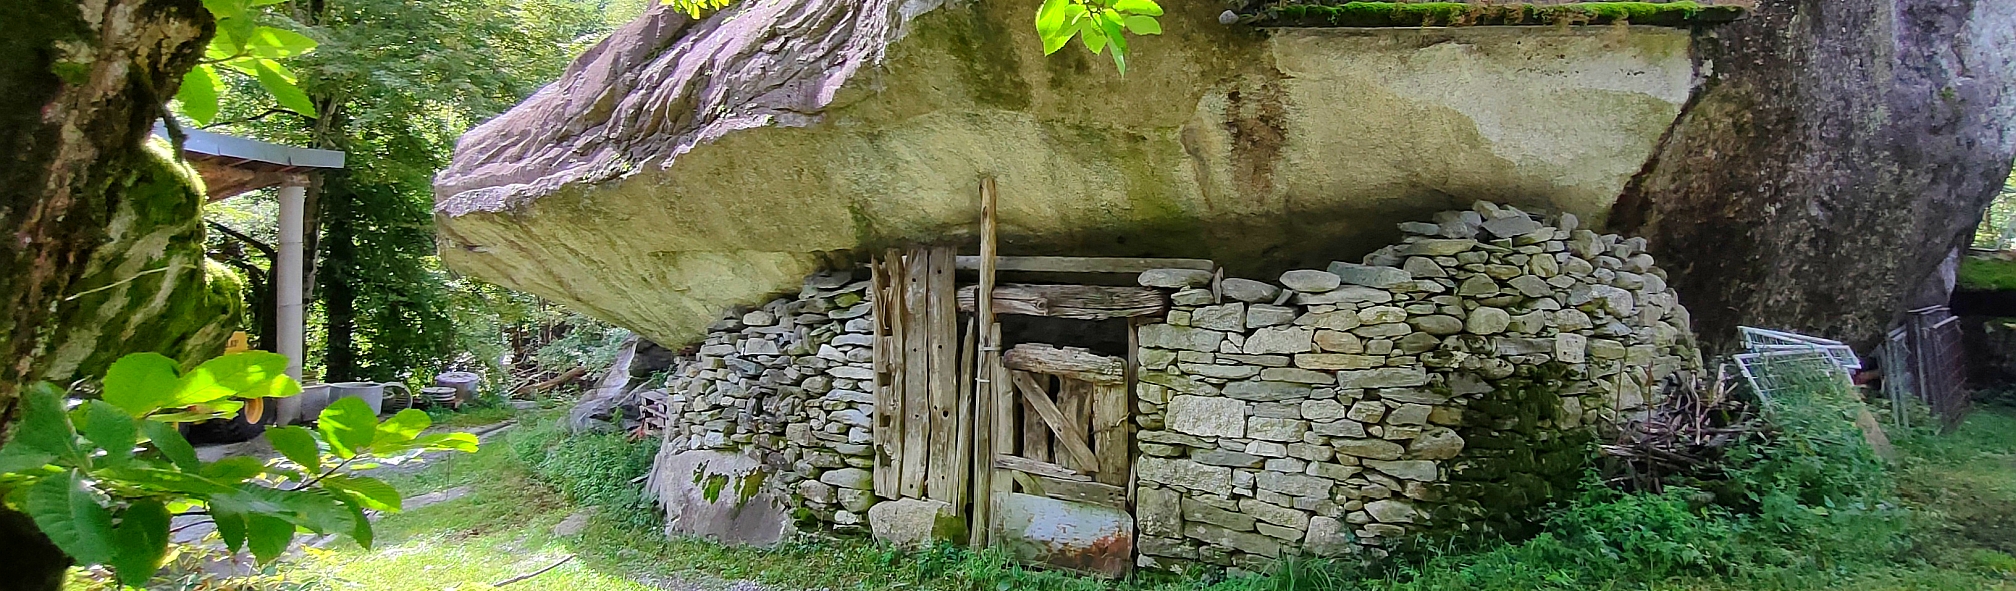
(372, 393)
(306, 406)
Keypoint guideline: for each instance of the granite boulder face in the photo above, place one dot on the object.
(682, 167)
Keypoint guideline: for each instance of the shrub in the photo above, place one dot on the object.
(596, 469)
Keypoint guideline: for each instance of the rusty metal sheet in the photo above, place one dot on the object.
(1077, 536)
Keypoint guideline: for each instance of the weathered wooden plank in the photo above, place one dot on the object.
(1003, 418)
(916, 371)
(1110, 404)
(1069, 362)
(962, 417)
(1038, 467)
(1035, 434)
(883, 302)
(1074, 402)
(945, 461)
(1077, 302)
(1087, 264)
(1083, 492)
(1068, 430)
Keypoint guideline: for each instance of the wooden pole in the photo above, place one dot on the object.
(980, 527)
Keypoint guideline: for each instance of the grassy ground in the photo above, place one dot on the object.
(1963, 486)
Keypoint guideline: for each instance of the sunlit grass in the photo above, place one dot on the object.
(1966, 482)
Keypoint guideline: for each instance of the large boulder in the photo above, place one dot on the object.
(682, 167)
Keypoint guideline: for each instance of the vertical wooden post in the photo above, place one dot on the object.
(916, 333)
(885, 289)
(943, 313)
(985, 413)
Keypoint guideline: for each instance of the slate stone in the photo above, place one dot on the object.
(1174, 278)
(1248, 290)
(1279, 340)
(1367, 275)
(1438, 443)
(1349, 294)
(1507, 227)
(1487, 320)
(1228, 458)
(1422, 470)
(1385, 377)
(1258, 391)
(1185, 473)
(1261, 315)
(1375, 449)
(1310, 280)
(1390, 511)
(1437, 247)
(1165, 336)
(1437, 324)
(1207, 416)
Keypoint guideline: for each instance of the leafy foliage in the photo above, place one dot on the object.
(698, 8)
(1997, 230)
(244, 46)
(104, 478)
(1100, 24)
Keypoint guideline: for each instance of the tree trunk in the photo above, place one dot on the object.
(84, 83)
(1838, 153)
(339, 297)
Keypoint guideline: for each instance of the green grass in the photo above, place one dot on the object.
(1987, 274)
(1961, 536)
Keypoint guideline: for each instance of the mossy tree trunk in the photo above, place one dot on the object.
(83, 83)
(1837, 155)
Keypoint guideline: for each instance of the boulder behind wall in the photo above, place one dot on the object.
(1840, 151)
(682, 168)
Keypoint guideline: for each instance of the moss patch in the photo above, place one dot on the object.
(1319, 13)
(1987, 274)
(1516, 460)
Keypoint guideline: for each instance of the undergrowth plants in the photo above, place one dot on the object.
(591, 469)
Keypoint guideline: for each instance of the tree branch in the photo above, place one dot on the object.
(262, 247)
(270, 111)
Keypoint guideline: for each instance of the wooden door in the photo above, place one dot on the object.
(1063, 458)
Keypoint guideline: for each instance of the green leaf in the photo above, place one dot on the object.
(198, 94)
(400, 429)
(297, 445)
(275, 43)
(16, 458)
(1109, 23)
(112, 429)
(1143, 25)
(230, 524)
(348, 425)
(462, 442)
(233, 470)
(168, 440)
(360, 528)
(44, 427)
(1050, 19)
(142, 383)
(374, 493)
(277, 80)
(249, 374)
(69, 513)
(1141, 7)
(267, 536)
(223, 9)
(1094, 39)
(167, 481)
(141, 540)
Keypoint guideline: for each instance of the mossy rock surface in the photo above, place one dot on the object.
(1459, 14)
(149, 287)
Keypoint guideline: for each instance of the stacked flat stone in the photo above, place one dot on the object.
(1321, 417)
(789, 382)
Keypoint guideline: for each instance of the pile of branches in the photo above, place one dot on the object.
(1684, 437)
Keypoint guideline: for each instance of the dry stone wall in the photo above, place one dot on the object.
(1450, 379)
(788, 383)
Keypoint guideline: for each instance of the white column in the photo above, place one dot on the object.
(287, 276)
